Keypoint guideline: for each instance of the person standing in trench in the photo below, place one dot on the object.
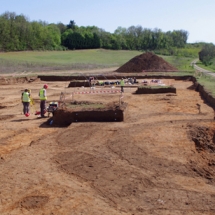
(122, 83)
(26, 102)
(43, 98)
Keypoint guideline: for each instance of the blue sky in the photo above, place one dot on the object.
(195, 16)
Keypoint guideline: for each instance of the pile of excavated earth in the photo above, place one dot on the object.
(146, 62)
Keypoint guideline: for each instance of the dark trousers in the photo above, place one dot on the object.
(122, 89)
(26, 107)
(42, 107)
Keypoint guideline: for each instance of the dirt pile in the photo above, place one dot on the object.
(147, 62)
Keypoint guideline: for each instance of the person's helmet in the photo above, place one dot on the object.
(45, 86)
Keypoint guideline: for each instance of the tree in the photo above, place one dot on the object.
(179, 38)
(61, 27)
(207, 54)
(53, 37)
(71, 25)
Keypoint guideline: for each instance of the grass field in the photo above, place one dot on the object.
(63, 60)
(209, 68)
(208, 82)
(75, 60)
(181, 63)
(92, 56)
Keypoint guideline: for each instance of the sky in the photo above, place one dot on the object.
(197, 17)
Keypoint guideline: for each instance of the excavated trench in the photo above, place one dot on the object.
(204, 138)
(151, 90)
(204, 162)
(116, 114)
(206, 96)
(113, 114)
(109, 113)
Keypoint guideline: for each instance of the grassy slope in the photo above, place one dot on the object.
(208, 82)
(95, 58)
(79, 60)
(181, 63)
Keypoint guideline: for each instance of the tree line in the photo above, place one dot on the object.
(17, 33)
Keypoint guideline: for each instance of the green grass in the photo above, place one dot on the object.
(181, 63)
(63, 60)
(188, 51)
(34, 61)
(208, 82)
(209, 68)
(92, 56)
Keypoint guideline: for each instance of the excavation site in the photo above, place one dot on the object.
(142, 147)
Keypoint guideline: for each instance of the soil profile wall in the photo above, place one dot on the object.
(15, 80)
(66, 117)
(79, 84)
(149, 90)
(108, 77)
(206, 96)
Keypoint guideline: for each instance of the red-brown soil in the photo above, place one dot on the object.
(146, 62)
(157, 90)
(160, 160)
(88, 112)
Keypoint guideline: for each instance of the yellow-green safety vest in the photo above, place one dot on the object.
(122, 83)
(26, 97)
(42, 97)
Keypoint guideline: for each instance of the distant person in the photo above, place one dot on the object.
(43, 98)
(101, 83)
(122, 84)
(26, 102)
(132, 81)
(91, 81)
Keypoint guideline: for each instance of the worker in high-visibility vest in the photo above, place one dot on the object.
(26, 102)
(43, 98)
(122, 84)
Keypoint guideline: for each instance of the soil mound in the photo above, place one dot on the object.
(147, 62)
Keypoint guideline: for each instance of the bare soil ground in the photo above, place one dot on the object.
(160, 160)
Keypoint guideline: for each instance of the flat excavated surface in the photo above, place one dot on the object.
(159, 161)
